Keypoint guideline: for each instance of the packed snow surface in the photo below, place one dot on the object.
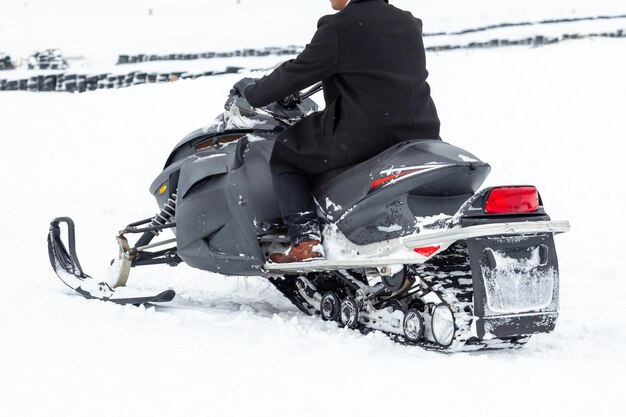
(227, 346)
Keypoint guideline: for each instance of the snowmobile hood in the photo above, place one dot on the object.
(239, 117)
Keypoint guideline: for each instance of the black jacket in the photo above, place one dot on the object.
(370, 57)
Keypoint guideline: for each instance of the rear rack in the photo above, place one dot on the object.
(494, 229)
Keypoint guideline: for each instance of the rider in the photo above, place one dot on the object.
(370, 57)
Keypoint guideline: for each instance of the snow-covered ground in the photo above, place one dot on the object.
(97, 32)
(550, 116)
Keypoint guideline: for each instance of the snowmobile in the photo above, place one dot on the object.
(413, 248)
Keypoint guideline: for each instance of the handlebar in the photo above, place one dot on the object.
(291, 107)
(316, 88)
(291, 101)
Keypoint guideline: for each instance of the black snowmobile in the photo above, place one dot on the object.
(412, 249)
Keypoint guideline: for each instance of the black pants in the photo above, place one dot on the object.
(296, 204)
(293, 191)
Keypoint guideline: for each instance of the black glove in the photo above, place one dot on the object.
(291, 102)
(242, 85)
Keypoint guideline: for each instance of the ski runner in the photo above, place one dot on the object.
(370, 57)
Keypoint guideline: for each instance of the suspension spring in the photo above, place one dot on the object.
(166, 215)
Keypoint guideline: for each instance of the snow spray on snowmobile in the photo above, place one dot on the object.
(413, 249)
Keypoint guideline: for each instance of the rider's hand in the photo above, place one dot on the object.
(291, 102)
(242, 85)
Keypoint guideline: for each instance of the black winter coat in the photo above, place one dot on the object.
(370, 57)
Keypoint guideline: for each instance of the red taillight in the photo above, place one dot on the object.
(507, 200)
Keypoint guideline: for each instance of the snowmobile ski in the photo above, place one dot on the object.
(65, 263)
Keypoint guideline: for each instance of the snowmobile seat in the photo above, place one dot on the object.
(324, 182)
(448, 172)
(415, 152)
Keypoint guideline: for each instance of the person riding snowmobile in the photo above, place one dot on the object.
(417, 247)
(370, 58)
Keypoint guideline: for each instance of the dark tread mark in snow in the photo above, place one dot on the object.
(68, 82)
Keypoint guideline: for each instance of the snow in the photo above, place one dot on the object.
(389, 229)
(254, 138)
(332, 206)
(204, 158)
(438, 221)
(237, 121)
(340, 249)
(516, 286)
(549, 116)
(466, 158)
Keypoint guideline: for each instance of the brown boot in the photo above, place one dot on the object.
(303, 251)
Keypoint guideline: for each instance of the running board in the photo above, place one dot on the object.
(441, 238)
(335, 265)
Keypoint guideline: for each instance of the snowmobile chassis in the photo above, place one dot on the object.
(414, 249)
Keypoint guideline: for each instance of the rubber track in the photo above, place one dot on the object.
(287, 287)
(449, 275)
